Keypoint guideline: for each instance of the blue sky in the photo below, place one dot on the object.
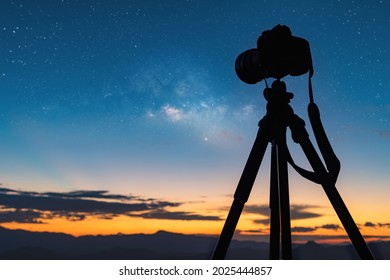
(141, 97)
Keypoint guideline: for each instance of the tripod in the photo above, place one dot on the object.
(272, 128)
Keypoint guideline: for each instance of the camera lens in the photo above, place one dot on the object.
(248, 67)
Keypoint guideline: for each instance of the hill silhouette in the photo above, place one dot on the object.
(21, 244)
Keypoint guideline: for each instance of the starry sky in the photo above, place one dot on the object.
(127, 116)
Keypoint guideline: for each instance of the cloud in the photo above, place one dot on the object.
(167, 215)
(297, 212)
(262, 221)
(262, 209)
(35, 207)
(369, 224)
(374, 225)
(311, 229)
(89, 194)
(21, 216)
(249, 231)
(303, 229)
(384, 225)
(54, 203)
(330, 226)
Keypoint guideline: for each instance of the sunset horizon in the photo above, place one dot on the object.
(309, 222)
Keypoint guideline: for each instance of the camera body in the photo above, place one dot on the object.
(277, 55)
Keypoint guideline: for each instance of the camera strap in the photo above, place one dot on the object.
(311, 72)
(330, 158)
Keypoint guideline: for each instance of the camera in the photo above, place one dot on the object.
(277, 55)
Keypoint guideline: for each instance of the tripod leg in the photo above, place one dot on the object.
(301, 136)
(284, 204)
(242, 192)
(274, 240)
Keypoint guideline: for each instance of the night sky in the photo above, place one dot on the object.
(136, 103)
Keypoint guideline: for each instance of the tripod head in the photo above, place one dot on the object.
(278, 93)
(278, 108)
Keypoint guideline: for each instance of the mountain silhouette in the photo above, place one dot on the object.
(27, 245)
